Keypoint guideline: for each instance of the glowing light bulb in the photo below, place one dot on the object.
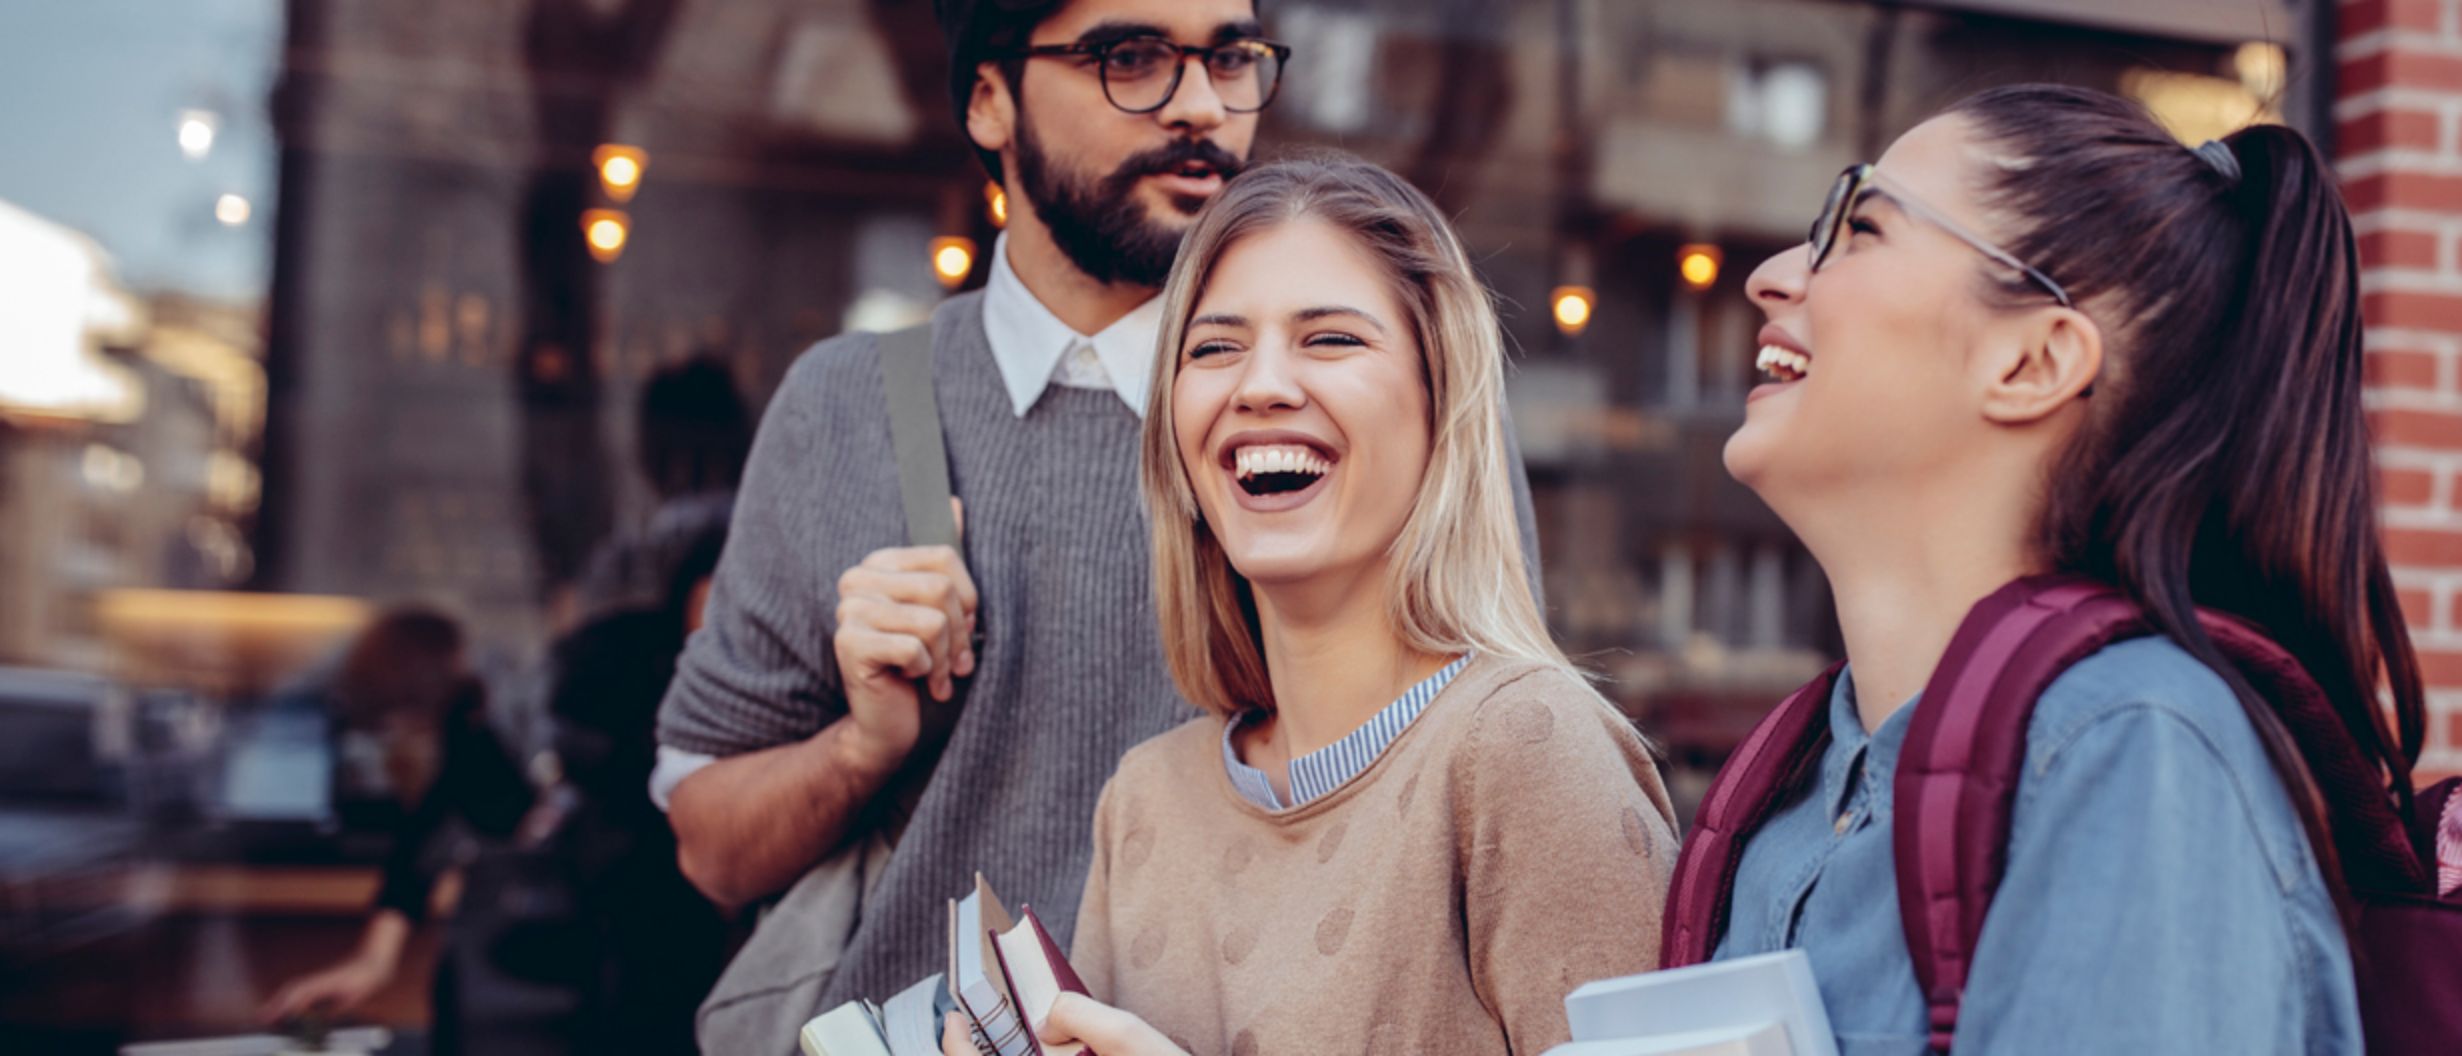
(1571, 306)
(620, 167)
(197, 128)
(1698, 264)
(606, 231)
(953, 259)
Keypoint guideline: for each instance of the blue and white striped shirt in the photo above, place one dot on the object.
(1328, 768)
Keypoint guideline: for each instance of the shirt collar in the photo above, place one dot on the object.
(1859, 760)
(1328, 768)
(1028, 340)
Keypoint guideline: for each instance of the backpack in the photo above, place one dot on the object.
(1957, 781)
(775, 982)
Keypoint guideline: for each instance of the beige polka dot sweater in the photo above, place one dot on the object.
(1512, 843)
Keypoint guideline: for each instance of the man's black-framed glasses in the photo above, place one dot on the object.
(1848, 193)
(1140, 74)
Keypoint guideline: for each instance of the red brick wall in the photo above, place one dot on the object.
(2398, 143)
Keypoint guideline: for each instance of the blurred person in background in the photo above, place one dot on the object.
(640, 945)
(692, 433)
(407, 678)
(654, 944)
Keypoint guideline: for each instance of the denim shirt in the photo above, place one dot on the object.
(2160, 894)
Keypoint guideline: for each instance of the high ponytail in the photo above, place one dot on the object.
(2318, 516)
(2225, 463)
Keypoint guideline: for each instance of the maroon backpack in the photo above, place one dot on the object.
(1957, 781)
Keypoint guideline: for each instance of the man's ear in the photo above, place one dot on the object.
(991, 112)
(2046, 360)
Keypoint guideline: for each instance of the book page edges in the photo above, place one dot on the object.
(1037, 975)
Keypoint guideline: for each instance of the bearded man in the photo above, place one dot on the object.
(796, 726)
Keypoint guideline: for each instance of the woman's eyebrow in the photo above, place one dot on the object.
(1218, 319)
(1873, 195)
(1310, 315)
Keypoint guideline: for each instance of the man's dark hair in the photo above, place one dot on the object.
(694, 428)
(975, 30)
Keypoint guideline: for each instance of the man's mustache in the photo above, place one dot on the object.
(1170, 157)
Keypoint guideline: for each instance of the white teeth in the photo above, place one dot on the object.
(1785, 364)
(1283, 458)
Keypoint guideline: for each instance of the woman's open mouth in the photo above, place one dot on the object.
(1783, 364)
(1269, 478)
(1782, 360)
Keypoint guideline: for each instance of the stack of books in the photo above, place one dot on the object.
(1752, 1006)
(1002, 978)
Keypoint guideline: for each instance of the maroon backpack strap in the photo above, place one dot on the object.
(1957, 777)
(1763, 773)
(1956, 784)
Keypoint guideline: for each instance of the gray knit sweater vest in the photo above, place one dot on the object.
(1070, 674)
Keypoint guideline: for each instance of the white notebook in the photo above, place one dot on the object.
(847, 1030)
(1767, 1039)
(1723, 1008)
(908, 1025)
(911, 1022)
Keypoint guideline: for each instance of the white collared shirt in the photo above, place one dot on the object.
(1034, 351)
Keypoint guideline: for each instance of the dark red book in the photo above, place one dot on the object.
(1036, 973)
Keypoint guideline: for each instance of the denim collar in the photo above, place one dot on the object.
(1855, 756)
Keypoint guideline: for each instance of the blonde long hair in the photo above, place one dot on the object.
(1460, 584)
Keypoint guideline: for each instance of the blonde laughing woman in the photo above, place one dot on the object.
(1403, 823)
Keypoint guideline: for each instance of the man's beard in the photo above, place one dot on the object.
(1098, 223)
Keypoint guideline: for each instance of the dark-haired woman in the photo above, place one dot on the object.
(2041, 335)
(407, 677)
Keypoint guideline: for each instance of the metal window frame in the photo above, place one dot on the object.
(2305, 28)
(2208, 21)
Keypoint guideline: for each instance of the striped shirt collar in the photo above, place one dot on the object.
(1328, 768)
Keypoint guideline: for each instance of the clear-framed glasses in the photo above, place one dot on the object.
(1858, 181)
(1141, 74)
